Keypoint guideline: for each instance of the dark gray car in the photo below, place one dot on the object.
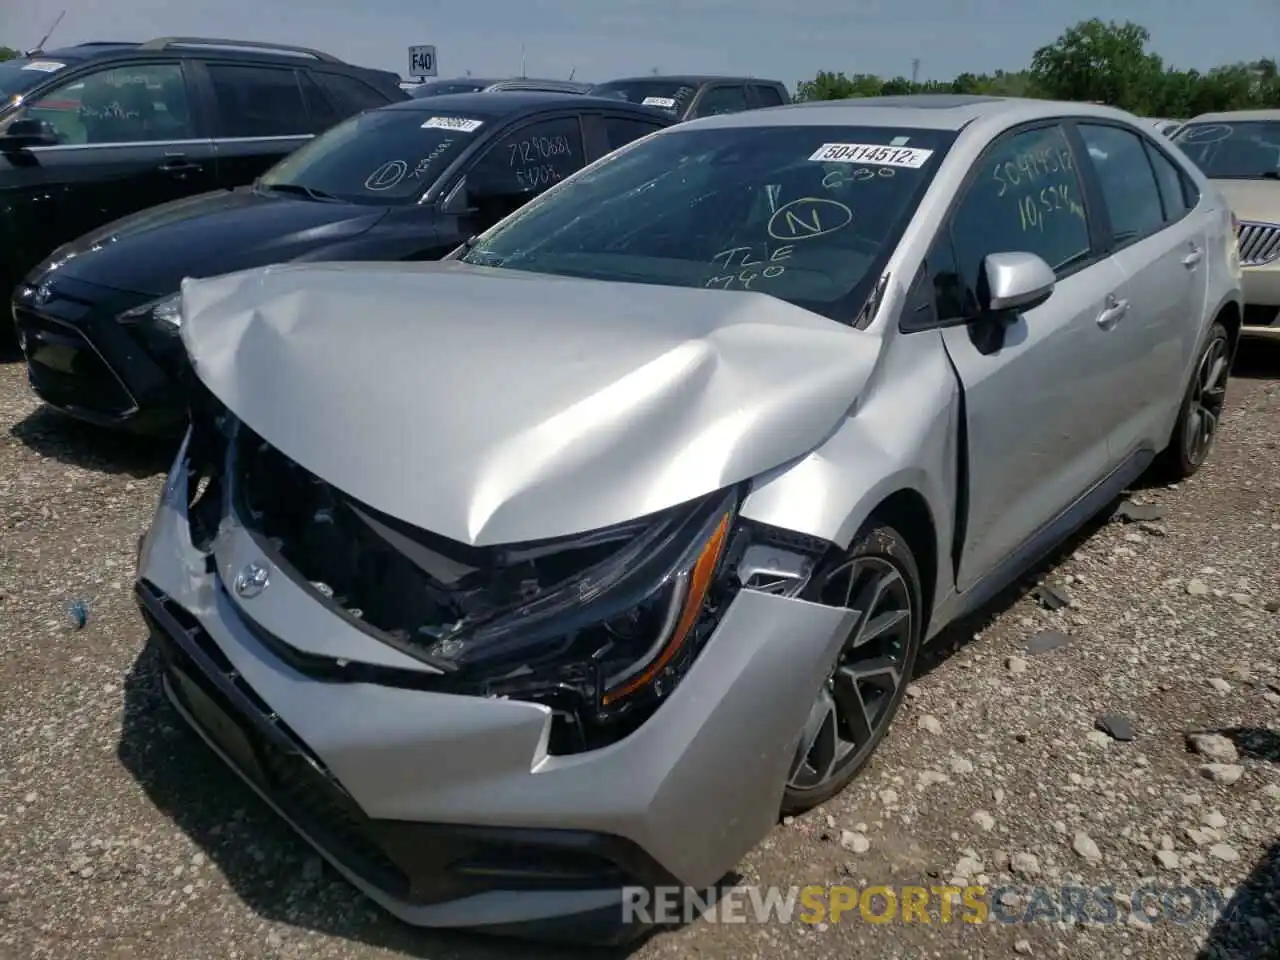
(689, 97)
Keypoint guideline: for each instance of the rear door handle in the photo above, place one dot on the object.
(1194, 257)
(178, 163)
(1112, 313)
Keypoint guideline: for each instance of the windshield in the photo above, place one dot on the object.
(1233, 151)
(668, 95)
(381, 157)
(806, 214)
(19, 75)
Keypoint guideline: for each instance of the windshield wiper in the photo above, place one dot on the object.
(297, 189)
(1271, 175)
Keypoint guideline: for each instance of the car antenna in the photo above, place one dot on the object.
(45, 39)
(572, 71)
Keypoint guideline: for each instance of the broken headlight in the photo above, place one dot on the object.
(164, 314)
(606, 645)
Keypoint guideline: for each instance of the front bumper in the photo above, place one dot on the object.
(449, 810)
(83, 362)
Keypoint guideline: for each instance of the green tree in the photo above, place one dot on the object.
(1106, 62)
(836, 86)
(8, 53)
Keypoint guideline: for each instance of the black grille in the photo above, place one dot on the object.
(65, 370)
(330, 541)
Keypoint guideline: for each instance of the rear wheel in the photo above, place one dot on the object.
(1201, 412)
(878, 578)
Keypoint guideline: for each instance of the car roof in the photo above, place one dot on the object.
(692, 79)
(189, 46)
(1238, 116)
(509, 102)
(924, 111)
(83, 51)
(447, 81)
(536, 83)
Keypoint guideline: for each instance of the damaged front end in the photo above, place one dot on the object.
(598, 627)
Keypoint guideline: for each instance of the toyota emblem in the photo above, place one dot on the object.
(252, 580)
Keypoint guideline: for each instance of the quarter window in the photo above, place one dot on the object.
(1025, 196)
(1172, 183)
(528, 160)
(1128, 183)
(259, 101)
(127, 104)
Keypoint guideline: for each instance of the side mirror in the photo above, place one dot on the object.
(27, 132)
(1016, 281)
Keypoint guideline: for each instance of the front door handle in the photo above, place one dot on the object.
(1192, 258)
(1113, 313)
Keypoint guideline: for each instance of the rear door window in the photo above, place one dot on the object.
(619, 131)
(1127, 180)
(718, 100)
(259, 101)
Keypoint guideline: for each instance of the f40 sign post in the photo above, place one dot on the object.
(422, 61)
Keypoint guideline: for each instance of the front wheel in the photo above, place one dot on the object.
(878, 578)
(1200, 415)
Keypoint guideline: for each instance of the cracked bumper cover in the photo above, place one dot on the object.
(448, 810)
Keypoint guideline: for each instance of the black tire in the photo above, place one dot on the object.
(1202, 403)
(880, 548)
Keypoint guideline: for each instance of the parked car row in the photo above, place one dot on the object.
(98, 321)
(685, 97)
(93, 132)
(565, 565)
(434, 88)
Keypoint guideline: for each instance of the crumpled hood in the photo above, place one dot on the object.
(211, 233)
(495, 406)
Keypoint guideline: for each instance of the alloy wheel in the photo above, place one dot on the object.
(856, 702)
(1208, 396)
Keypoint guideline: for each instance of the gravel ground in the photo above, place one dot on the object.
(121, 836)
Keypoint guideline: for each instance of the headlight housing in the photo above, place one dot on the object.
(164, 314)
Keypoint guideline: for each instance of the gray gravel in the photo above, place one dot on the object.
(120, 836)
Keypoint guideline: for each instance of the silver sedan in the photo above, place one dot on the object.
(554, 572)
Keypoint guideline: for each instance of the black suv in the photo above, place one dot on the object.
(690, 97)
(96, 131)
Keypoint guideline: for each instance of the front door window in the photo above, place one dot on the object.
(126, 104)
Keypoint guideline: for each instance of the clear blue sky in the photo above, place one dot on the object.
(788, 40)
